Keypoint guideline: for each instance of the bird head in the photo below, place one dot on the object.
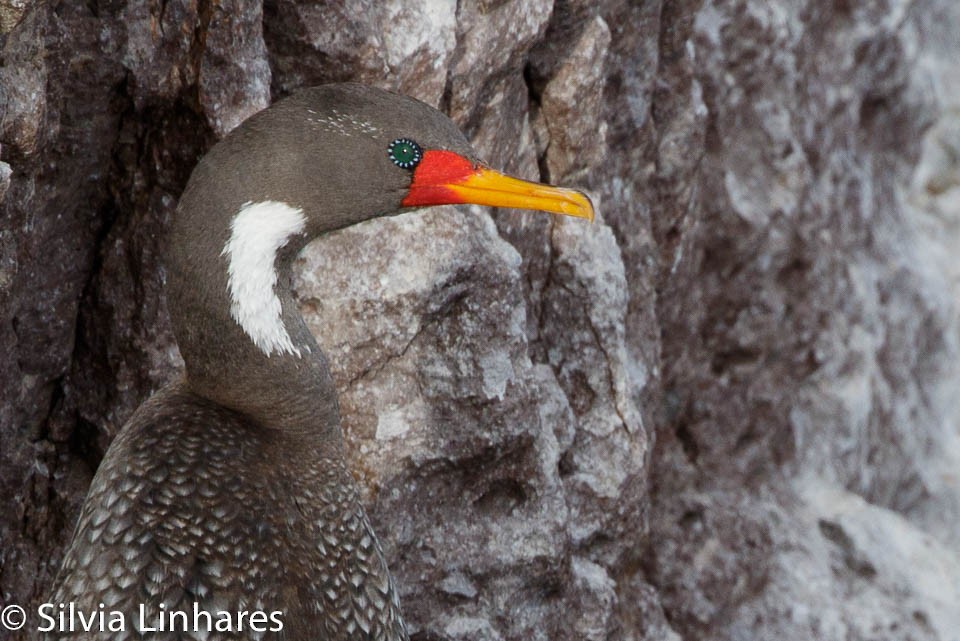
(321, 159)
(345, 153)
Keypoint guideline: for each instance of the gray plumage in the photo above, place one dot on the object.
(190, 506)
(228, 490)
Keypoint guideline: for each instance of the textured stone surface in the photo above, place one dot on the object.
(727, 410)
(806, 473)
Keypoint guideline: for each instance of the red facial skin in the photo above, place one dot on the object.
(437, 169)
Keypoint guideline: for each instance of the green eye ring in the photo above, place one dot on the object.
(405, 153)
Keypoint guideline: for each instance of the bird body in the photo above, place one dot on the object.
(292, 541)
(227, 492)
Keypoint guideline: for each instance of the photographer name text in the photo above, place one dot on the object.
(69, 617)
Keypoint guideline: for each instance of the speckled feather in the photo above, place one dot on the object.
(230, 489)
(155, 528)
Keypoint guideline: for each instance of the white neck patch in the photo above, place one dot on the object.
(257, 232)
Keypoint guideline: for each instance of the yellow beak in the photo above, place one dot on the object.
(446, 178)
(491, 188)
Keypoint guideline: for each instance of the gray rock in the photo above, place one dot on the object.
(234, 80)
(806, 384)
(5, 172)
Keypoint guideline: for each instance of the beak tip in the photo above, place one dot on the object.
(586, 208)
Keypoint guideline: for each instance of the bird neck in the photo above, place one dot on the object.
(243, 341)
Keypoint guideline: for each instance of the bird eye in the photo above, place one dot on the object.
(404, 153)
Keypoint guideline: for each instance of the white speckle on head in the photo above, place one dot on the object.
(343, 124)
(257, 232)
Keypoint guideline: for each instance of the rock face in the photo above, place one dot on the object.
(726, 410)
